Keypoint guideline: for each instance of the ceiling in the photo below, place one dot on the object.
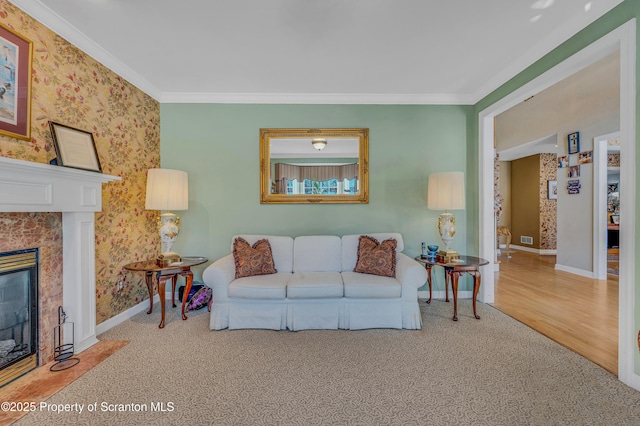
(317, 51)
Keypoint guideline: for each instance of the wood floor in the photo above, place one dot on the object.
(577, 312)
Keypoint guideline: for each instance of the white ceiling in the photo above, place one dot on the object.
(317, 51)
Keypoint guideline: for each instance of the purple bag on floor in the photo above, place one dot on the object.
(202, 298)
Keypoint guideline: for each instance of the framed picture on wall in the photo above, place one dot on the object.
(585, 157)
(573, 142)
(15, 84)
(552, 189)
(573, 172)
(563, 161)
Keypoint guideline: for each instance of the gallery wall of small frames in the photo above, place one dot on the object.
(573, 161)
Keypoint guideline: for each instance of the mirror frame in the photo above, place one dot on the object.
(266, 197)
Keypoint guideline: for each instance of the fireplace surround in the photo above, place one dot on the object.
(30, 187)
(18, 313)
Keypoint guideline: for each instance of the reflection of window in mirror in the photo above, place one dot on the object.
(332, 186)
(325, 179)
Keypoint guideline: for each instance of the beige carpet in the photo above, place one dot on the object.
(494, 371)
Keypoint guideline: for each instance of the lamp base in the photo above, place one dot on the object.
(167, 259)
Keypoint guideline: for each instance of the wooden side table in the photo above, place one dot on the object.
(467, 264)
(162, 274)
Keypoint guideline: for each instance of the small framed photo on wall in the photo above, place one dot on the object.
(573, 172)
(573, 142)
(585, 157)
(563, 162)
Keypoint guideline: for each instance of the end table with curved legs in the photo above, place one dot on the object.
(466, 265)
(162, 275)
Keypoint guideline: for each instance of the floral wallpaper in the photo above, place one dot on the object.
(613, 160)
(71, 88)
(548, 208)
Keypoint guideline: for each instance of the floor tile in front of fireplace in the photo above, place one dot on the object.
(40, 384)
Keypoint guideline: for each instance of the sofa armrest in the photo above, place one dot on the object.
(219, 275)
(411, 274)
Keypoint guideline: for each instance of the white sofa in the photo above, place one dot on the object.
(315, 288)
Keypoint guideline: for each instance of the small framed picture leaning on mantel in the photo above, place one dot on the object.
(75, 148)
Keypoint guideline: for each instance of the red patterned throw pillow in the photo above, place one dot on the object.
(253, 260)
(376, 258)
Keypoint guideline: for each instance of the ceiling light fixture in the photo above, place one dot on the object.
(319, 143)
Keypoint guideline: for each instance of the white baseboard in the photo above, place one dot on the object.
(576, 271)
(439, 294)
(545, 252)
(129, 313)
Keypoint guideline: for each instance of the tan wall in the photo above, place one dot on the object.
(505, 190)
(71, 88)
(525, 199)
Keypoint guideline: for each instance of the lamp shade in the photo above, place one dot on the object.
(446, 191)
(167, 189)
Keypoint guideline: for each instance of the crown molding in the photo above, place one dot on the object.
(64, 29)
(316, 98)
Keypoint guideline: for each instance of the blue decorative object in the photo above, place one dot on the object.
(431, 252)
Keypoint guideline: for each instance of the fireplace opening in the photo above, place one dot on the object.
(18, 313)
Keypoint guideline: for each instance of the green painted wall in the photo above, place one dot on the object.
(621, 14)
(218, 145)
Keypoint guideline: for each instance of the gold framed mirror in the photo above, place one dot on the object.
(310, 166)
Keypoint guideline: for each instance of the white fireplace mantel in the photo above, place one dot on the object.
(35, 187)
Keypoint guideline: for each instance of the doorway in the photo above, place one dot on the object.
(606, 229)
(622, 39)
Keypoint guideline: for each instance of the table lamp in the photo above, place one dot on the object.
(446, 192)
(167, 189)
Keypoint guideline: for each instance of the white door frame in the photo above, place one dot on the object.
(600, 151)
(623, 39)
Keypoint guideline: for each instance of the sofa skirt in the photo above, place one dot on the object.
(315, 314)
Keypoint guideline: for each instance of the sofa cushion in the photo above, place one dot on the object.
(350, 247)
(272, 286)
(377, 258)
(317, 253)
(311, 285)
(362, 286)
(251, 260)
(281, 248)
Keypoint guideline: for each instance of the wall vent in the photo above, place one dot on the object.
(526, 240)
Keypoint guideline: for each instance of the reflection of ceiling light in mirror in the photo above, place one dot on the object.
(542, 4)
(319, 143)
(535, 18)
(587, 7)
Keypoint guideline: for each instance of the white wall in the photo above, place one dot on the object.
(575, 212)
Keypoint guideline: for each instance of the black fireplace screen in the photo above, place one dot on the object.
(18, 307)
